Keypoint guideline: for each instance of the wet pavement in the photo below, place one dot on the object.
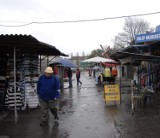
(83, 114)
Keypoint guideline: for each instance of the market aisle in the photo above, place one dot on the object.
(83, 114)
(88, 115)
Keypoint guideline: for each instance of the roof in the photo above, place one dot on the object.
(27, 44)
(135, 54)
(137, 49)
(140, 57)
(99, 60)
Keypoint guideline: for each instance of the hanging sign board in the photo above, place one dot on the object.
(111, 92)
(147, 37)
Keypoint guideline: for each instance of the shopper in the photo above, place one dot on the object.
(78, 74)
(48, 91)
(70, 77)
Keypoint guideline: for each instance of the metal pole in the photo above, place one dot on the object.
(149, 74)
(15, 103)
(40, 63)
(47, 60)
(120, 83)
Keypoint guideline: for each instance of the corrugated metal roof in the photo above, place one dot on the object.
(27, 44)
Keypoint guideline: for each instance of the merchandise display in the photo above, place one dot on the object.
(27, 74)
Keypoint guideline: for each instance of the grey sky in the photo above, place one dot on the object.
(73, 37)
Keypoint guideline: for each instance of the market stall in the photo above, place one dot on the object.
(105, 76)
(21, 59)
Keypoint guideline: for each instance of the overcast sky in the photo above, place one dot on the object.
(73, 37)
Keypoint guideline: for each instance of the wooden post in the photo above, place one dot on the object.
(132, 100)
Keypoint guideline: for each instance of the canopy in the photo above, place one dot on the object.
(65, 62)
(99, 60)
(111, 64)
(27, 44)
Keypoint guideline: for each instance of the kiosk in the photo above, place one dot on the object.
(111, 88)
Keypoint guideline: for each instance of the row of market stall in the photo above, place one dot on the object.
(142, 63)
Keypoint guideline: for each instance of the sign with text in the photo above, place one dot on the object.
(111, 92)
(148, 37)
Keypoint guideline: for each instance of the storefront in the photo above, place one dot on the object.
(150, 66)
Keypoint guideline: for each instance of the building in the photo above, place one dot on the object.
(78, 59)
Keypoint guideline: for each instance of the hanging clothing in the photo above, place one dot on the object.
(143, 81)
(107, 72)
(55, 70)
(114, 71)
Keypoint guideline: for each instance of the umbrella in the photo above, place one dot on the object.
(99, 60)
(65, 62)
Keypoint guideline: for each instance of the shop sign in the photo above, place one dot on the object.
(148, 37)
(111, 93)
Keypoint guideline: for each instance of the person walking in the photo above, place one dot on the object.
(70, 77)
(48, 91)
(78, 74)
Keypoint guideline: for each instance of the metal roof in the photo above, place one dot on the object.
(118, 55)
(27, 44)
(135, 49)
(136, 55)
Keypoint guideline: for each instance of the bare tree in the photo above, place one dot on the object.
(133, 26)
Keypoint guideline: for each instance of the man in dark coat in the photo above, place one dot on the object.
(70, 77)
(78, 74)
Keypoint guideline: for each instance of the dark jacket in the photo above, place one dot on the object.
(78, 73)
(69, 73)
(48, 87)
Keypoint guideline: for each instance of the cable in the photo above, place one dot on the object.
(16, 25)
(74, 21)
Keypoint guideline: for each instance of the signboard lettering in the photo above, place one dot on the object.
(111, 92)
(148, 37)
